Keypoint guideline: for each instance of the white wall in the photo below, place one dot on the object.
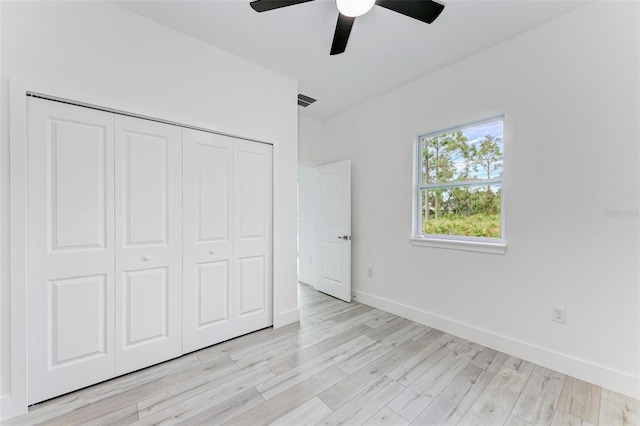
(100, 50)
(309, 156)
(5, 305)
(569, 90)
(307, 225)
(309, 140)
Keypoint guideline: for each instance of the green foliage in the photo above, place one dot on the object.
(488, 158)
(440, 155)
(477, 225)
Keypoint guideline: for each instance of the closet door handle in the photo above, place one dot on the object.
(146, 258)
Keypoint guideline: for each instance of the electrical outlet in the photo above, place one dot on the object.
(370, 272)
(559, 314)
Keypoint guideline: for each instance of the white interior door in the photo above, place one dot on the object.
(207, 240)
(148, 185)
(334, 230)
(70, 248)
(253, 186)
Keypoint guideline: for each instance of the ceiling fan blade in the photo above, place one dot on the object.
(341, 36)
(264, 5)
(422, 10)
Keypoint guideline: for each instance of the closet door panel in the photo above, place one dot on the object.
(146, 305)
(251, 285)
(77, 164)
(212, 185)
(148, 182)
(208, 246)
(146, 189)
(252, 237)
(212, 293)
(70, 289)
(77, 329)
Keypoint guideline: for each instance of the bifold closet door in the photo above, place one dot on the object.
(70, 248)
(148, 209)
(227, 238)
(208, 239)
(252, 242)
(105, 243)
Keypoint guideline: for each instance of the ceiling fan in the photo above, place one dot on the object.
(422, 10)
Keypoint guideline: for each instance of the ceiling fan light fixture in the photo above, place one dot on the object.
(423, 10)
(354, 8)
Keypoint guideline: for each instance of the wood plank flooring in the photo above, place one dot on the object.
(345, 364)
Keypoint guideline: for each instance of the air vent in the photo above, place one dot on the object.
(305, 101)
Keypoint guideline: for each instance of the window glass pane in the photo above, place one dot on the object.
(471, 153)
(472, 211)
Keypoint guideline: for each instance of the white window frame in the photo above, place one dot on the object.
(455, 242)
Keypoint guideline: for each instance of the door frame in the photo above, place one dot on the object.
(15, 402)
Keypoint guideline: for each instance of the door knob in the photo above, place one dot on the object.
(147, 257)
(345, 237)
(212, 252)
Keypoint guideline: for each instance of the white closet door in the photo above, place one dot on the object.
(207, 240)
(70, 248)
(253, 183)
(148, 183)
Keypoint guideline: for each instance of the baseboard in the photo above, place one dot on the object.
(286, 317)
(11, 407)
(584, 370)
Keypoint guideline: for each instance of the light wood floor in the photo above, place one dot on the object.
(342, 364)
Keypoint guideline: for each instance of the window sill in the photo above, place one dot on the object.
(498, 247)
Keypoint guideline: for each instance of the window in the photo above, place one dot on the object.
(459, 179)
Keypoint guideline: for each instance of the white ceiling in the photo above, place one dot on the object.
(386, 50)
